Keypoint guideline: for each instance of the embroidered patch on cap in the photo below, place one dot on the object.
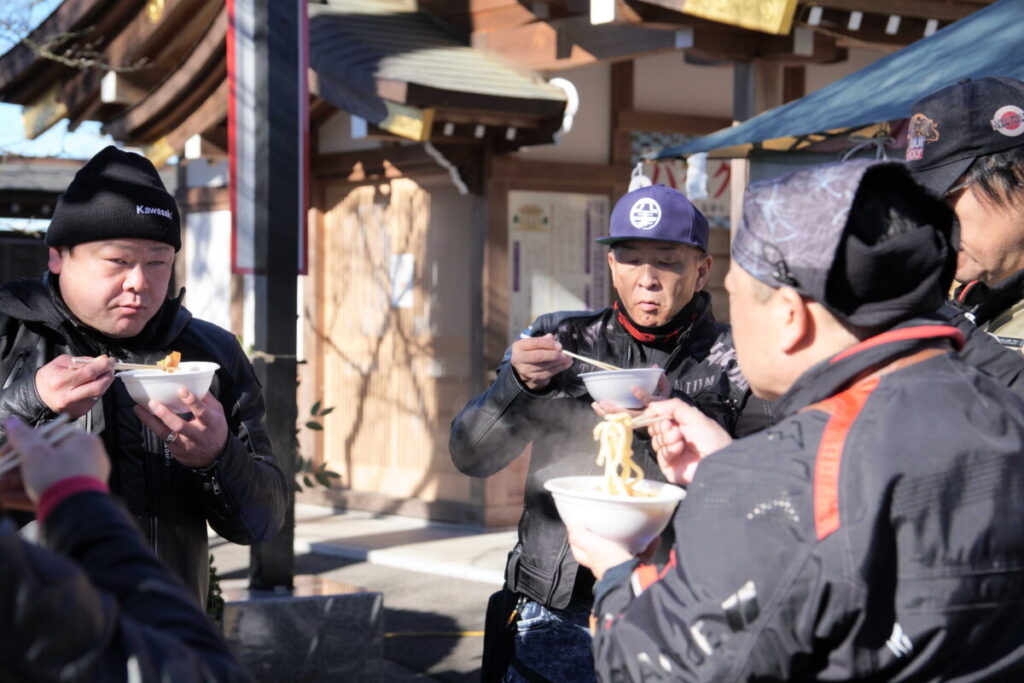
(922, 130)
(1009, 121)
(645, 214)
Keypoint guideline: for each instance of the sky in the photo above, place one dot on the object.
(82, 143)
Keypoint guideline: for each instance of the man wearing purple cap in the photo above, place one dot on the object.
(966, 143)
(873, 532)
(661, 316)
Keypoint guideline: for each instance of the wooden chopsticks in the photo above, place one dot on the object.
(53, 432)
(646, 419)
(118, 365)
(595, 363)
(592, 361)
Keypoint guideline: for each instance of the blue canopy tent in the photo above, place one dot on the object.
(985, 43)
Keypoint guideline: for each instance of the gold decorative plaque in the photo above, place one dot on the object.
(769, 16)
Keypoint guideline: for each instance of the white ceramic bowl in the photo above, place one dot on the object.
(156, 385)
(616, 385)
(632, 521)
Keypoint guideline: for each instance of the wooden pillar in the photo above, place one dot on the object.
(266, 68)
(621, 99)
(794, 82)
(743, 107)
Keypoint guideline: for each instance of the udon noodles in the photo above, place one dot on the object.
(622, 475)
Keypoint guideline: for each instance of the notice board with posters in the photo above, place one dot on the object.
(554, 263)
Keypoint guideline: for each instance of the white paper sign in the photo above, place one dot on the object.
(554, 263)
(403, 275)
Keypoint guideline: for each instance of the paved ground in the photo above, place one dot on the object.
(435, 579)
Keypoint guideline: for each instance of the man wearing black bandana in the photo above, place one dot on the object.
(113, 240)
(659, 266)
(873, 532)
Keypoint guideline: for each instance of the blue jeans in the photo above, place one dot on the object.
(554, 643)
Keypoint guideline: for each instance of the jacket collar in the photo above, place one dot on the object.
(40, 301)
(838, 372)
(986, 302)
(672, 333)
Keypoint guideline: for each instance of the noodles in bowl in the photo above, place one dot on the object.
(622, 475)
(621, 505)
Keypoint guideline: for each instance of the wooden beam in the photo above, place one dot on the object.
(38, 116)
(613, 12)
(180, 92)
(25, 75)
(511, 168)
(384, 162)
(524, 109)
(684, 124)
(116, 90)
(620, 100)
(497, 16)
(567, 43)
(211, 113)
(872, 30)
(946, 10)
(145, 50)
(723, 43)
(794, 83)
(162, 40)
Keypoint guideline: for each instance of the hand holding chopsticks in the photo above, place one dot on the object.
(592, 361)
(68, 387)
(647, 418)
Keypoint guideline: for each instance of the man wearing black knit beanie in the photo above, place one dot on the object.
(112, 242)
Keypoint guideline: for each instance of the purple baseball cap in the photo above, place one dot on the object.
(658, 213)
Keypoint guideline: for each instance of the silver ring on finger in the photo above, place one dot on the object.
(171, 438)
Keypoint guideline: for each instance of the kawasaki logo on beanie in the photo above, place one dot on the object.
(117, 194)
(150, 209)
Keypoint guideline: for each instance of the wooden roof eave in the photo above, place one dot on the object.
(26, 75)
(947, 10)
(417, 95)
(180, 92)
(209, 115)
(142, 47)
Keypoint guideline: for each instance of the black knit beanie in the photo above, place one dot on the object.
(115, 195)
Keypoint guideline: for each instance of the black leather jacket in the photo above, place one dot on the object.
(495, 427)
(243, 495)
(101, 607)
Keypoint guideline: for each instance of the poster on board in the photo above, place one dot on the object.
(554, 263)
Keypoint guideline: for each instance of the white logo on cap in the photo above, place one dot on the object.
(645, 214)
(1009, 121)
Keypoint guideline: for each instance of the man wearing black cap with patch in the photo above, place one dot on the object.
(966, 143)
(112, 240)
(659, 265)
(872, 533)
